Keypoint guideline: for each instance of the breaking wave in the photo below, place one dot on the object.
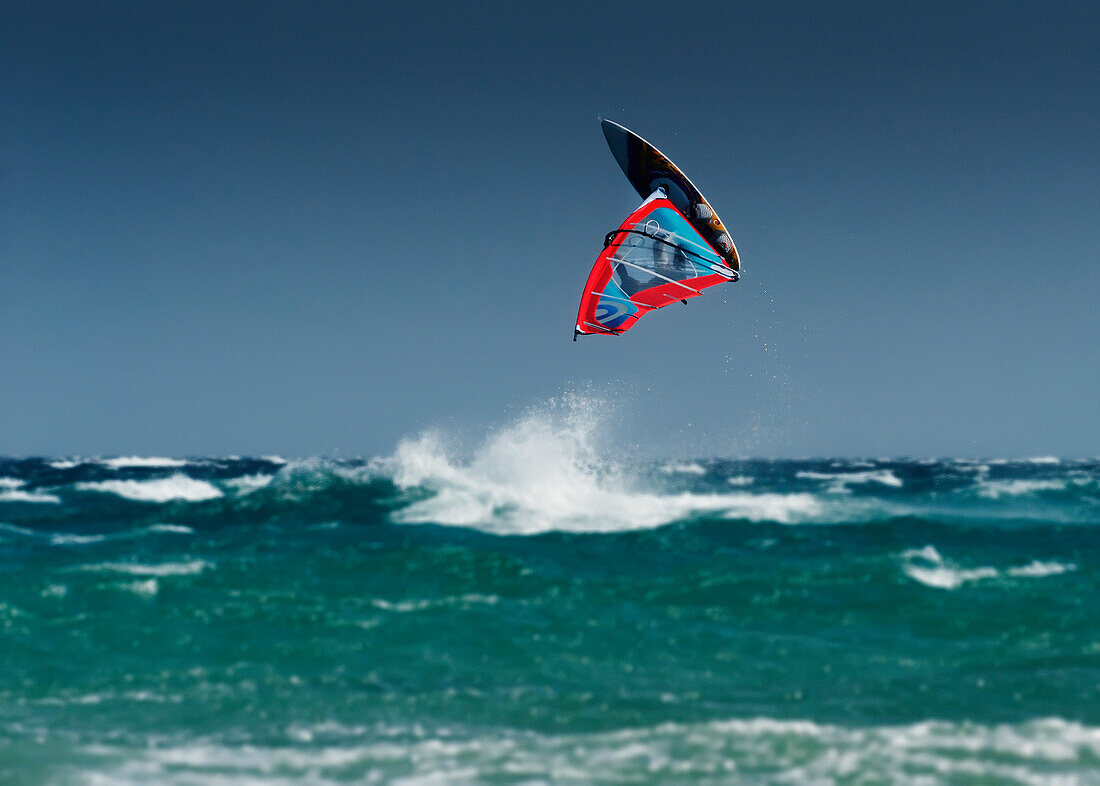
(19, 495)
(927, 566)
(545, 473)
(246, 484)
(839, 482)
(995, 489)
(11, 490)
(157, 462)
(178, 487)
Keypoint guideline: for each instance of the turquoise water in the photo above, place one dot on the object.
(529, 612)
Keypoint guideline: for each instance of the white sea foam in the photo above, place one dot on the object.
(73, 539)
(70, 539)
(189, 568)
(11, 490)
(739, 751)
(19, 495)
(544, 473)
(122, 462)
(246, 484)
(1044, 460)
(176, 487)
(839, 481)
(943, 577)
(1039, 569)
(741, 480)
(995, 489)
(177, 529)
(65, 463)
(147, 588)
(927, 566)
(406, 606)
(968, 465)
(275, 459)
(684, 468)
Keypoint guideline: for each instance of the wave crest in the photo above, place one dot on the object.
(545, 473)
(927, 566)
(178, 487)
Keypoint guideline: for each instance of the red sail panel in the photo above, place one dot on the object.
(656, 257)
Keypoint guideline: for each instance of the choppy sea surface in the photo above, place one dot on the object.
(531, 611)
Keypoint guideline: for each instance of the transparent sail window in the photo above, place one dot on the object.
(650, 260)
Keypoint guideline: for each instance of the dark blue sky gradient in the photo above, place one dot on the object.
(314, 228)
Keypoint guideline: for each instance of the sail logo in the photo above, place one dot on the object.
(612, 313)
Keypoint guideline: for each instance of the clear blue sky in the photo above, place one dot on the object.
(310, 228)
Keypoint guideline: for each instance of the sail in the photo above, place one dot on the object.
(656, 257)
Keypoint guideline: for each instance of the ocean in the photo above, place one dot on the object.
(536, 608)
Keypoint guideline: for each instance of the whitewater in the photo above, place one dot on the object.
(534, 608)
